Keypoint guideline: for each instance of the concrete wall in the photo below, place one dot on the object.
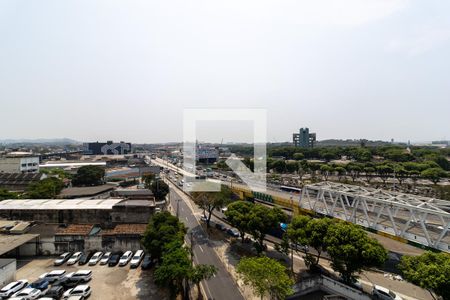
(7, 272)
(328, 285)
(14, 164)
(121, 243)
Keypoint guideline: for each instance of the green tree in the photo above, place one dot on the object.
(266, 276)
(279, 166)
(443, 162)
(303, 168)
(291, 166)
(5, 194)
(326, 170)
(384, 171)
(162, 229)
(298, 156)
(340, 171)
(351, 250)
(434, 174)
(201, 272)
(89, 176)
(158, 187)
(47, 188)
(304, 231)
(353, 169)
(238, 214)
(430, 271)
(208, 201)
(261, 220)
(369, 171)
(175, 268)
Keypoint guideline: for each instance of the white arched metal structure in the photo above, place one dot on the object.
(417, 219)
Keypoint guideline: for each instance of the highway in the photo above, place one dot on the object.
(222, 285)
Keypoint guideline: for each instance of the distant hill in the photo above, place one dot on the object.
(59, 141)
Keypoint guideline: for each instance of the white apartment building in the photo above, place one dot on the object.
(19, 162)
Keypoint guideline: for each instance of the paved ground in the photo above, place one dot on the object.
(115, 283)
(222, 285)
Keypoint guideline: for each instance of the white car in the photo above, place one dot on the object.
(380, 292)
(84, 275)
(79, 290)
(12, 288)
(53, 275)
(137, 258)
(28, 294)
(126, 257)
(95, 258)
(74, 258)
(105, 258)
(61, 259)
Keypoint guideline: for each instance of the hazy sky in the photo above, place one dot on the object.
(125, 70)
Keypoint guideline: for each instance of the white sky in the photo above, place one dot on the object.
(125, 70)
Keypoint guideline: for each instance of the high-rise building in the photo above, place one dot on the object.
(303, 138)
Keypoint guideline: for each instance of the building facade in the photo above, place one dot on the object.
(304, 138)
(108, 148)
(19, 162)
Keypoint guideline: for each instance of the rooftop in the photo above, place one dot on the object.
(9, 242)
(78, 192)
(126, 229)
(75, 229)
(51, 204)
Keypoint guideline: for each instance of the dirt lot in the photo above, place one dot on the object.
(107, 282)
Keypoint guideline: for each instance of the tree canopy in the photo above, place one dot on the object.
(89, 176)
(351, 250)
(266, 276)
(430, 271)
(238, 214)
(47, 188)
(208, 201)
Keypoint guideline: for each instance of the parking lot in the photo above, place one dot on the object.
(106, 283)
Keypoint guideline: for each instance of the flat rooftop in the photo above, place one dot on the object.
(10, 242)
(85, 191)
(52, 204)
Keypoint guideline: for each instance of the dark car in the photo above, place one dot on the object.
(147, 263)
(40, 284)
(55, 292)
(233, 232)
(86, 257)
(114, 259)
(67, 282)
(221, 227)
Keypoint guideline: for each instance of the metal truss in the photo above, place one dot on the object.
(418, 219)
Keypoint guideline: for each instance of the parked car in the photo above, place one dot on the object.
(28, 293)
(83, 275)
(203, 218)
(79, 297)
(298, 247)
(74, 258)
(137, 258)
(114, 259)
(55, 292)
(68, 282)
(147, 263)
(221, 227)
(95, 258)
(79, 290)
(379, 292)
(233, 232)
(40, 284)
(125, 259)
(53, 275)
(12, 288)
(105, 258)
(84, 259)
(62, 258)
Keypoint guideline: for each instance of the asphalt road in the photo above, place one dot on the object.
(222, 285)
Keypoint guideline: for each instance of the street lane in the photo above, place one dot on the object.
(222, 285)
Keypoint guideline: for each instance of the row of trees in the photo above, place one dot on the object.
(365, 154)
(384, 170)
(254, 219)
(164, 241)
(349, 247)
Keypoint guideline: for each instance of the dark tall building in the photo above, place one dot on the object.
(303, 138)
(108, 148)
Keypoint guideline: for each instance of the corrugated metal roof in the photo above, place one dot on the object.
(9, 242)
(126, 229)
(75, 229)
(55, 204)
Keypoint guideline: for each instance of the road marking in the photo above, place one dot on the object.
(186, 219)
(200, 247)
(182, 209)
